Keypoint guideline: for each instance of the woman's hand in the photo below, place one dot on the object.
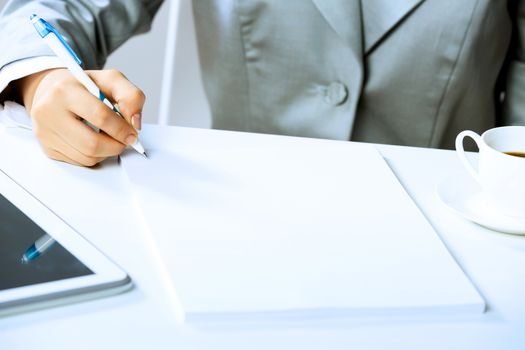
(57, 103)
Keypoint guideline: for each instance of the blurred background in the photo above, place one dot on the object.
(142, 60)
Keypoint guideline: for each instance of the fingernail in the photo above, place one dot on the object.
(130, 139)
(136, 122)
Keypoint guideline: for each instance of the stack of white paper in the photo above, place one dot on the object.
(256, 226)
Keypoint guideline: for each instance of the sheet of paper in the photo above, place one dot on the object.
(255, 225)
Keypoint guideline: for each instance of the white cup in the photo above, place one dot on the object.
(501, 176)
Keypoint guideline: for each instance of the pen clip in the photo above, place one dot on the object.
(44, 28)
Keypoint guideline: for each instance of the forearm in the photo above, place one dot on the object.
(93, 28)
(57, 102)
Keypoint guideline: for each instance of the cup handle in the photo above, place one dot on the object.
(461, 151)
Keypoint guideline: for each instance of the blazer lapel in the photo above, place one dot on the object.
(344, 16)
(381, 16)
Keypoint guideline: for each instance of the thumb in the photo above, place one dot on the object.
(119, 90)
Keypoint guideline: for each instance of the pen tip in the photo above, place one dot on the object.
(145, 154)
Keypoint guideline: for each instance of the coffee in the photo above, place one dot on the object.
(500, 177)
(516, 154)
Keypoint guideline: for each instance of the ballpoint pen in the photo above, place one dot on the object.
(70, 59)
(38, 248)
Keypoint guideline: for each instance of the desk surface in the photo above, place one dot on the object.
(145, 317)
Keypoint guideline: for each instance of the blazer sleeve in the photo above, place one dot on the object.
(93, 28)
(514, 102)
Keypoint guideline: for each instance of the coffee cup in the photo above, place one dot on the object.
(501, 166)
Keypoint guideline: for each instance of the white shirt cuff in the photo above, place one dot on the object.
(25, 67)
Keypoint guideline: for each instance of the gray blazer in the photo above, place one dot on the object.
(408, 72)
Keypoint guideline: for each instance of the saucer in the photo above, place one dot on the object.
(464, 196)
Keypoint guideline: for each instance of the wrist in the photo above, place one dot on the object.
(23, 89)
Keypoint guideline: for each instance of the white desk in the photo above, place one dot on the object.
(99, 206)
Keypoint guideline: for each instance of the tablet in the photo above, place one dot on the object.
(43, 261)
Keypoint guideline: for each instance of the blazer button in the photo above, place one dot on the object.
(336, 94)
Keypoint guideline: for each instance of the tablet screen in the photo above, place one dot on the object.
(28, 255)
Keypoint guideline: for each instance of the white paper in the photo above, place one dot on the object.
(255, 225)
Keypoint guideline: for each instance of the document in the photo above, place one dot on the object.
(270, 226)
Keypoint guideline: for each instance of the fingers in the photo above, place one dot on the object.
(56, 155)
(58, 128)
(78, 159)
(97, 113)
(60, 102)
(58, 149)
(85, 140)
(121, 91)
(68, 148)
